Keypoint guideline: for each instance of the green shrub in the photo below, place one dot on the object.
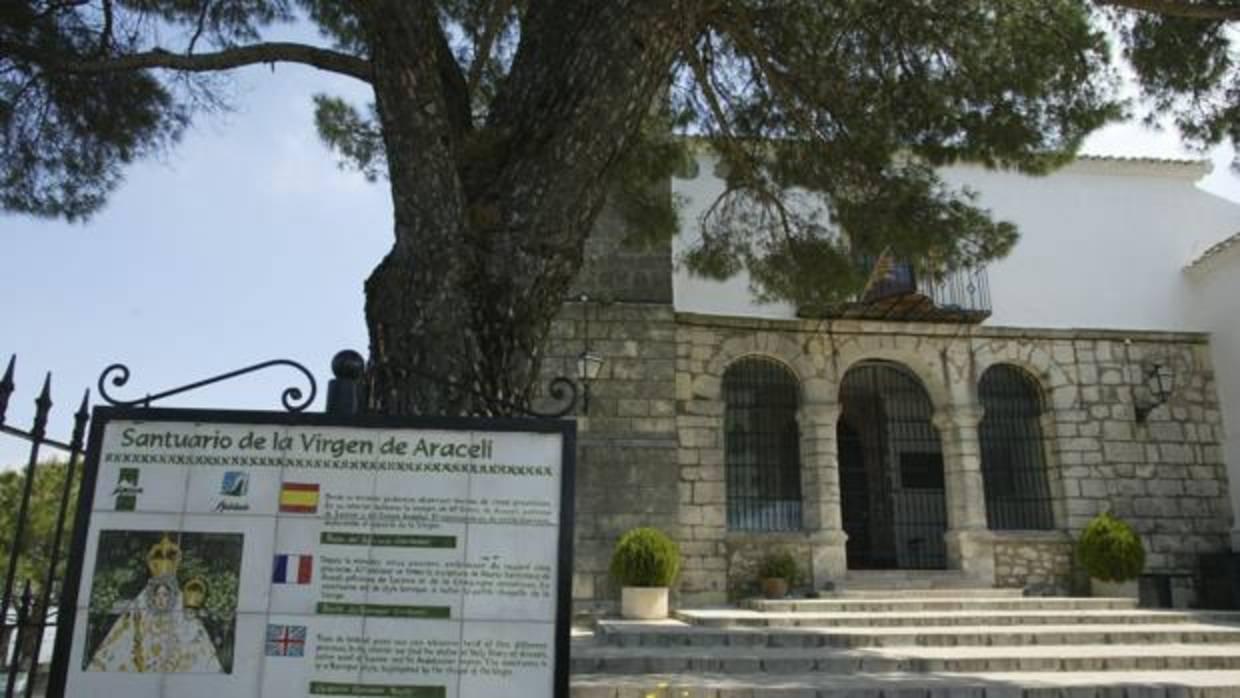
(779, 566)
(1110, 550)
(645, 557)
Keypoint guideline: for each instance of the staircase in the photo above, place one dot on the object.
(942, 639)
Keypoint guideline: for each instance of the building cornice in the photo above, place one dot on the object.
(1172, 168)
(1202, 262)
(929, 329)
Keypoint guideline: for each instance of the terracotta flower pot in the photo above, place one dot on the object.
(774, 587)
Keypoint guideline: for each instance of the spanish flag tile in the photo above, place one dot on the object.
(299, 498)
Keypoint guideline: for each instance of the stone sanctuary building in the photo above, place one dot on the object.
(973, 424)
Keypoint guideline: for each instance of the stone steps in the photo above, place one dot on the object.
(906, 580)
(1195, 684)
(1005, 603)
(624, 634)
(602, 659)
(894, 643)
(935, 593)
(729, 618)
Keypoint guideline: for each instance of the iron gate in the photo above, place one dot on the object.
(891, 471)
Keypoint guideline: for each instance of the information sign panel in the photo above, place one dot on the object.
(262, 554)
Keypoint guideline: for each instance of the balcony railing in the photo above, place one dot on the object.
(905, 292)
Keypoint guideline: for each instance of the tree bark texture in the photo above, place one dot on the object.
(490, 222)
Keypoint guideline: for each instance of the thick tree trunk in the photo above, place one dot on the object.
(418, 324)
(490, 223)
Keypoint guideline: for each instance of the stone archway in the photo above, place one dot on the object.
(892, 492)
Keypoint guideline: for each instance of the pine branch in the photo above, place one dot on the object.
(1188, 9)
(227, 59)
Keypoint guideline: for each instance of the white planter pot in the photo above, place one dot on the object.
(643, 603)
(1119, 590)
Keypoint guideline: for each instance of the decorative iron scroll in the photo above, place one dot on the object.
(561, 389)
(118, 376)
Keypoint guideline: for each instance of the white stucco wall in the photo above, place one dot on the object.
(1214, 289)
(1103, 245)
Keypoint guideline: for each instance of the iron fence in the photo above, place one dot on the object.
(27, 612)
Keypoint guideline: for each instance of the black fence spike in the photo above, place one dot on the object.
(43, 406)
(6, 387)
(45, 395)
(79, 422)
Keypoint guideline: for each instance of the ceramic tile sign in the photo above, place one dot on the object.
(255, 554)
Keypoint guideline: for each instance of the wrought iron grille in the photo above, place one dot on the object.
(908, 291)
(762, 446)
(1013, 462)
(891, 471)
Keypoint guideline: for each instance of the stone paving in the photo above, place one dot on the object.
(976, 643)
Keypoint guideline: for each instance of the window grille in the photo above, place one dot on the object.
(762, 446)
(1013, 462)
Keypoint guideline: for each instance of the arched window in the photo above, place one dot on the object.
(762, 446)
(1013, 462)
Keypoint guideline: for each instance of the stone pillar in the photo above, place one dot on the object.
(820, 491)
(970, 545)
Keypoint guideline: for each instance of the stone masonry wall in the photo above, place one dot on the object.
(746, 553)
(616, 271)
(651, 448)
(626, 445)
(1040, 563)
(1166, 476)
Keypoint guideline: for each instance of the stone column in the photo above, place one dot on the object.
(820, 491)
(970, 545)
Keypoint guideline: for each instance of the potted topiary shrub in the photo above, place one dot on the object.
(1111, 552)
(777, 572)
(645, 563)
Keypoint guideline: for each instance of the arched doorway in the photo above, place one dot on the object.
(891, 471)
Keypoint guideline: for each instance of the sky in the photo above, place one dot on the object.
(245, 243)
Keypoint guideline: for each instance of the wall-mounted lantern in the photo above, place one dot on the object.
(1158, 386)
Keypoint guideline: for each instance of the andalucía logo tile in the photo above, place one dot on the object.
(233, 489)
(236, 483)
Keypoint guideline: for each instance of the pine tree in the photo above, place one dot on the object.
(503, 126)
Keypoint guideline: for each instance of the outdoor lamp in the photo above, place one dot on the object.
(1159, 384)
(588, 366)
